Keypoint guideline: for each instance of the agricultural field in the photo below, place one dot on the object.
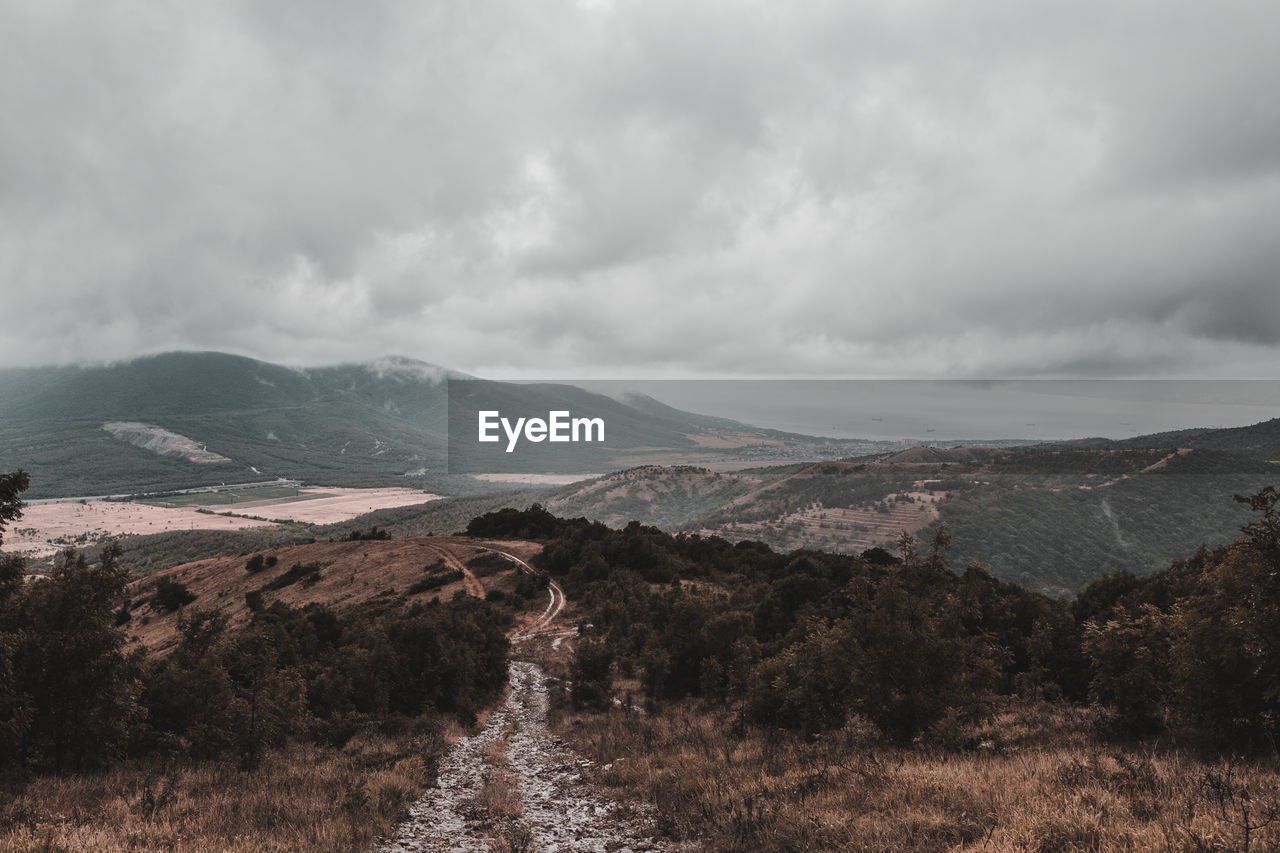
(47, 528)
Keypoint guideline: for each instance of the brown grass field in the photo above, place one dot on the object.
(300, 799)
(350, 573)
(304, 798)
(327, 505)
(1038, 779)
(45, 529)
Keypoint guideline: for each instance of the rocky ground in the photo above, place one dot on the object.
(550, 805)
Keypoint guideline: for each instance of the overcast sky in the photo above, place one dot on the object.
(650, 188)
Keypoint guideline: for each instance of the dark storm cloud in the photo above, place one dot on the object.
(646, 188)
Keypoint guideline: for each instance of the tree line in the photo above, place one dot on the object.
(806, 640)
(74, 695)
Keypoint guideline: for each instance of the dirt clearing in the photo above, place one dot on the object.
(325, 505)
(47, 528)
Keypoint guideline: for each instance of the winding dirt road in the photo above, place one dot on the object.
(559, 809)
(469, 580)
(543, 624)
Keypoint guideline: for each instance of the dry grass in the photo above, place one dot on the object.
(848, 530)
(1033, 779)
(351, 573)
(498, 806)
(305, 798)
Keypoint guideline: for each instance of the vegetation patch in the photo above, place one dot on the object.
(435, 580)
(731, 787)
(305, 573)
(304, 797)
(170, 595)
(222, 498)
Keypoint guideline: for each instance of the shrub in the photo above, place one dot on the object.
(171, 594)
(372, 534)
(435, 581)
(592, 675)
(310, 572)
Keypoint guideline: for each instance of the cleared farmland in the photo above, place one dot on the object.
(47, 528)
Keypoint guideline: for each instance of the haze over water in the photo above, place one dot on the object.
(964, 409)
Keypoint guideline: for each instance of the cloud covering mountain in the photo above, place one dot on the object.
(646, 188)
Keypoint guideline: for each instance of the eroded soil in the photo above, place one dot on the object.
(560, 808)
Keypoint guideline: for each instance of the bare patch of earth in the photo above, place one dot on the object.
(535, 479)
(162, 442)
(560, 809)
(327, 505)
(841, 529)
(47, 528)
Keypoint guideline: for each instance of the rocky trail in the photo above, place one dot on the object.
(544, 799)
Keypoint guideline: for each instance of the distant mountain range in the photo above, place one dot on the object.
(188, 419)
(353, 423)
(1049, 516)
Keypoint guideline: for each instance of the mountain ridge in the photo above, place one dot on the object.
(380, 422)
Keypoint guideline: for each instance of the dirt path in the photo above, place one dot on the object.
(1154, 466)
(561, 811)
(469, 579)
(559, 808)
(542, 626)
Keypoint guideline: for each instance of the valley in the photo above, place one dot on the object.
(341, 441)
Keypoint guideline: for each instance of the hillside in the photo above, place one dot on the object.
(181, 420)
(665, 497)
(346, 425)
(338, 575)
(817, 702)
(1051, 517)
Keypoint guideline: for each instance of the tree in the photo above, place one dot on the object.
(901, 657)
(1226, 638)
(1130, 661)
(189, 695)
(70, 661)
(171, 594)
(913, 659)
(1263, 536)
(270, 700)
(11, 486)
(14, 703)
(591, 672)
